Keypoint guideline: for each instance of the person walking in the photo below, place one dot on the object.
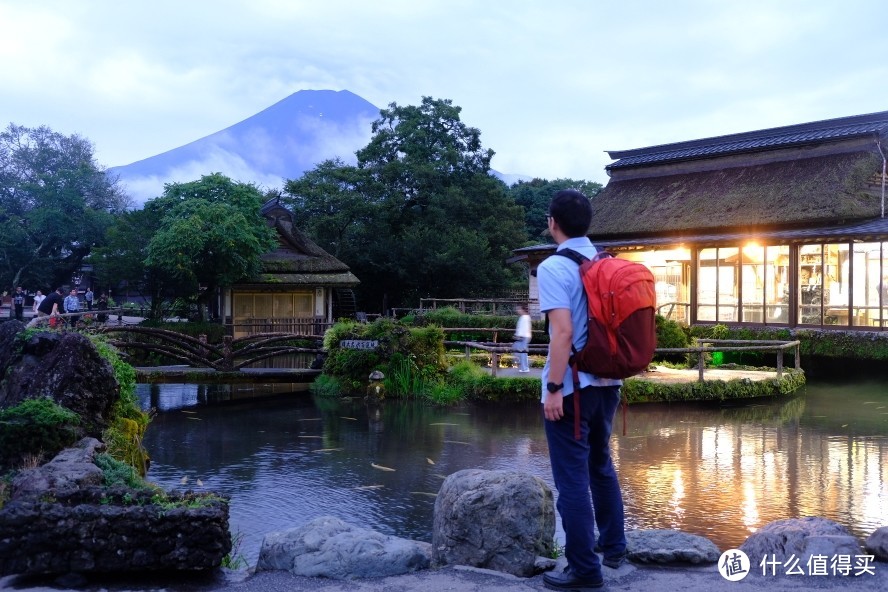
(523, 335)
(578, 465)
(72, 304)
(18, 303)
(38, 298)
(88, 297)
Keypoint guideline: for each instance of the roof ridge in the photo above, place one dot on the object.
(870, 122)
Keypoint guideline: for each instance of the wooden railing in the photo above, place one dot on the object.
(708, 346)
(314, 326)
(703, 346)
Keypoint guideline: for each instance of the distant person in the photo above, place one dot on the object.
(102, 305)
(72, 304)
(38, 298)
(18, 302)
(883, 290)
(88, 297)
(523, 335)
(51, 305)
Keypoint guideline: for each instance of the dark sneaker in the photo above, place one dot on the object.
(614, 562)
(569, 581)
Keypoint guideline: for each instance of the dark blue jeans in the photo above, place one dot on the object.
(584, 465)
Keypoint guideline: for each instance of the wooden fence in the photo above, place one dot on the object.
(703, 347)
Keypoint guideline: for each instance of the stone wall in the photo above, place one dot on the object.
(60, 519)
(112, 530)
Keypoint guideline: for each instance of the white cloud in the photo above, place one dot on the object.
(550, 85)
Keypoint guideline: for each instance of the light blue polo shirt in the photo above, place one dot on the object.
(558, 280)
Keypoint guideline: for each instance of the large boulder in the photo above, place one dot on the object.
(802, 538)
(330, 548)
(670, 547)
(65, 367)
(877, 544)
(497, 520)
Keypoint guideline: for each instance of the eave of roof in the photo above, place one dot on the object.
(872, 230)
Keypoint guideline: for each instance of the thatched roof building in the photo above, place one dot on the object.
(301, 288)
(802, 197)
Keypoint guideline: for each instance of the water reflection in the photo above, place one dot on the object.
(718, 472)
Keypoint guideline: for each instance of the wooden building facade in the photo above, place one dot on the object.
(783, 226)
(301, 288)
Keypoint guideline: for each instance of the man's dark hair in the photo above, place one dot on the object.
(60, 290)
(572, 212)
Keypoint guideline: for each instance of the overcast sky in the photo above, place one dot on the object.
(551, 84)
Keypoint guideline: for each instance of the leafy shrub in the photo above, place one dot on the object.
(422, 346)
(116, 472)
(476, 384)
(671, 334)
(35, 426)
(325, 386)
(123, 437)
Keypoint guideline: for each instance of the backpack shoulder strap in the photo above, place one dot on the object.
(572, 255)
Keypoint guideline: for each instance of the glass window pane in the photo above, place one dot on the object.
(303, 304)
(243, 306)
(810, 285)
(776, 284)
(262, 306)
(865, 289)
(706, 285)
(836, 285)
(753, 276)
(283, 306)
(728, 284)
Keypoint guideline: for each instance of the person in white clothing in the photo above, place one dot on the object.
(38, 298)
(522, 338)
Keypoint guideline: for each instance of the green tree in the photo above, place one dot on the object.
(421, 212)
(55, 205)
(333, 204)
(534, 196)
(211, 234)
(123, 257)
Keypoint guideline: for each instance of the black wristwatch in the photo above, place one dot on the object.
(554, 388)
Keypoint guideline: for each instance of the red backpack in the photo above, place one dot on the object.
(621, 315)
(621, 321)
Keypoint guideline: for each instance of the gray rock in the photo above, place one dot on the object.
(71, 468)
(496, 520)
(877, 544)
(328, 547)
(801, 537)
(669, 547)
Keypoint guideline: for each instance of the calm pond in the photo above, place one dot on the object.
(285, 458)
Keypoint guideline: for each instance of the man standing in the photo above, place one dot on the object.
(72, 304)
(18, 301)
(578, 465)
(89, 298)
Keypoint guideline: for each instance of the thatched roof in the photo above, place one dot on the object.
(297, 260)
(833, 188)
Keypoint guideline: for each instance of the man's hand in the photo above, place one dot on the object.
(553, 406)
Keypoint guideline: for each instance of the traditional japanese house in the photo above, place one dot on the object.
(301, 288)
(782, 226)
